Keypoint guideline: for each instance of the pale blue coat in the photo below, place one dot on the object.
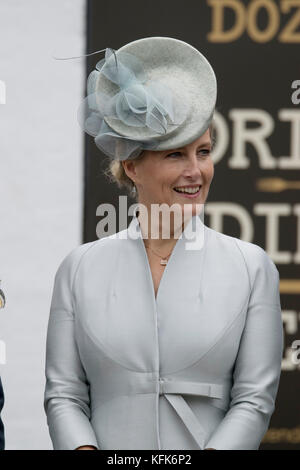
(198, 366)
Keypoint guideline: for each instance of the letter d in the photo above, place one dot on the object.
(218, 34)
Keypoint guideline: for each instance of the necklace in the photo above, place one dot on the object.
(163, 260)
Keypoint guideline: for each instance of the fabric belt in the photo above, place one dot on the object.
(172, 390)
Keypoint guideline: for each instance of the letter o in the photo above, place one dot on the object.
(274, 20)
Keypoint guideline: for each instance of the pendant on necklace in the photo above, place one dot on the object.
(163, 262)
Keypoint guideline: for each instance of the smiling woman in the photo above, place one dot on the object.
(172, 177)
(116, 173)
(161, 342)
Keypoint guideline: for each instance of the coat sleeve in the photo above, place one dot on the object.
(2, 437)
(257, 367)
(66, 397)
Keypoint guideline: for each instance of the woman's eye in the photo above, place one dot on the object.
(178, 154)
(174, 154)
(207, 151)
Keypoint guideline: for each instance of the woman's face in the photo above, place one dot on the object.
(158, 173)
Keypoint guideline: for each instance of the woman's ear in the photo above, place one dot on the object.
(129, 168)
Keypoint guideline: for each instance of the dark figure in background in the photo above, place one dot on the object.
(2, 441)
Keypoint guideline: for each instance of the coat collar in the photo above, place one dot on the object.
(191, 238)
(180, 296)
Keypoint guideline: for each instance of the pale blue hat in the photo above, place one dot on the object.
(155, 93)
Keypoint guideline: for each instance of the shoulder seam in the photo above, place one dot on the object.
(245, 262)
(236, 240)
(79, 262)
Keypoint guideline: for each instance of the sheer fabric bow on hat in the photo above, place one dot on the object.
(127, 112)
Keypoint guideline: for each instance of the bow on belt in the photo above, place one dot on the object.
(172, 391)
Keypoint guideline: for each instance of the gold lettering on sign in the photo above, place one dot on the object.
(273, 24)
(288, 34)
(290, 286)
(245, 18)
(274, 435)
(218, 34)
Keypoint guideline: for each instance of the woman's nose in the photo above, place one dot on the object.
(192, 165)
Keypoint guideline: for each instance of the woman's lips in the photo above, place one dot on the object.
(189, 196)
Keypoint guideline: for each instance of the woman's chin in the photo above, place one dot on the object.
(192, 208)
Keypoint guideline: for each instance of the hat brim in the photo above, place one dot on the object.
(186, 73)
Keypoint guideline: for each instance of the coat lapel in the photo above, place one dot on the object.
(200, 295)
(194, 305)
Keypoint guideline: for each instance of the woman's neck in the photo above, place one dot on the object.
(161, 230)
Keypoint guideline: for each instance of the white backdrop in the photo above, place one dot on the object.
(41, 192)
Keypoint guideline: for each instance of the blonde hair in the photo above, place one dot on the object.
(116, 173)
